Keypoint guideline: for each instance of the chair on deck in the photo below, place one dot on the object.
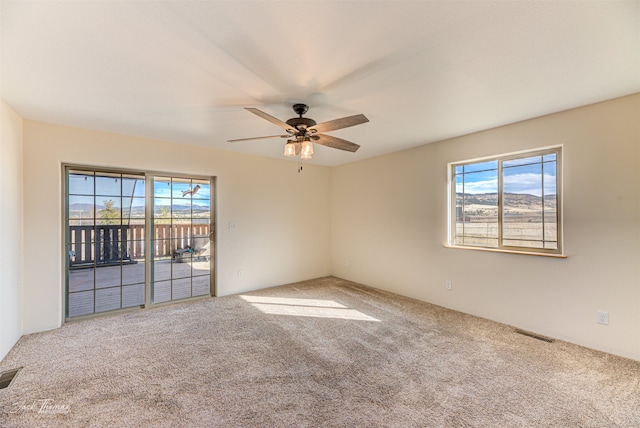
(201, 246)
(199, 249)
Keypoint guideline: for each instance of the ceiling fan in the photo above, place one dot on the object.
(303, 132)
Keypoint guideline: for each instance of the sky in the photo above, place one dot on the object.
(130, 191)
(522, 179)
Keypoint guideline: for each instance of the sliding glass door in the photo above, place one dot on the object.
(105, 219)
(181, 241)
(112, 218)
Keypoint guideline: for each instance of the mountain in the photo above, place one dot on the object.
(83, 207)
(88, 208)
(513, 200)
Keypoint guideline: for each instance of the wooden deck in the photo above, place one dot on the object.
(107, 288)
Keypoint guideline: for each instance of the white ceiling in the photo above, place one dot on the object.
(421, 71)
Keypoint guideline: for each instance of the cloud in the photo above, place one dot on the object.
(483, 186)
(527, 183)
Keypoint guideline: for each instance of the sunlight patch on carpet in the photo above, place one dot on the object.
(306, 308)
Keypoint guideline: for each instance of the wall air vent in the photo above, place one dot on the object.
(6, 378)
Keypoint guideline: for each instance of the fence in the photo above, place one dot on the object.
(105, 245)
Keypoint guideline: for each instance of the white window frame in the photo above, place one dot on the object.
(501, 247)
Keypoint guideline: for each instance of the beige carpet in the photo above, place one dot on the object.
(326, 352)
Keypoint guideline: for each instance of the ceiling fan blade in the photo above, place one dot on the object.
(335, 142)
(344, 122)
(258, 138)
(270, 118)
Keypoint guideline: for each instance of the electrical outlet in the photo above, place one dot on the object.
(232, 225)
(447, 285)
(602, 317)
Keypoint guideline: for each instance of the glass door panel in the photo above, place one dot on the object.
(105, 218)
(181, 221)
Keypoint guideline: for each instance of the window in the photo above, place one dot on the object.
(509, 202)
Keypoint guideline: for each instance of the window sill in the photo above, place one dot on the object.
(500, 250)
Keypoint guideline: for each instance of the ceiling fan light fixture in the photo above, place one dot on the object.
(305, 131)
(290, 149)
(307, 150)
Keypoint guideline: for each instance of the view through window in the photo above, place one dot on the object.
(509, 202)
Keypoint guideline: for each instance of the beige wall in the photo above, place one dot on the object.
(282, 232)
(10, 228)
(382, 222)
(389, 228)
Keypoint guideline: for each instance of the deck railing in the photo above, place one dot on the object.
(105, 245)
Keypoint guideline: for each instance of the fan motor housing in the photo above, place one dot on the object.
(301, 123)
